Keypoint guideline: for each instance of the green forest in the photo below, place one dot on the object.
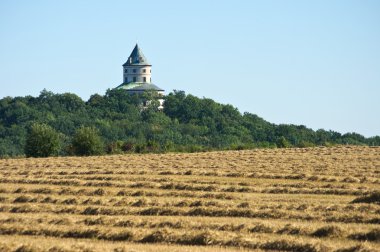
(63, 124)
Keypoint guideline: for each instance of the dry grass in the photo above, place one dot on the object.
(314, 199)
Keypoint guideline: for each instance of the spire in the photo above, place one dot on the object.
(136, 57)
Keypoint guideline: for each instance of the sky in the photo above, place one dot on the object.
(314, 63)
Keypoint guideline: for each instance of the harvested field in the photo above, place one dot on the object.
(311, 199)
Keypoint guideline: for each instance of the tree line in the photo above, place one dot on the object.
(117, 122)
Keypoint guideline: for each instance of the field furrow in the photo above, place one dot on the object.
(313, 199)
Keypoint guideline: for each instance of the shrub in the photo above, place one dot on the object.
(115, 147)
(87, 142)
(282, 142)
(128, 147)
(42, 141)
(305, 144)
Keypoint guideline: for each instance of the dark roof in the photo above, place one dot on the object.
(139, 86)
(136, 58)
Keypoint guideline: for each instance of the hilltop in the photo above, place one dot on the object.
(186, 124)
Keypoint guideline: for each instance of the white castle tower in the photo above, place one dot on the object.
(137, 74)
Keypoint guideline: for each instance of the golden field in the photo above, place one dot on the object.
(311, 199)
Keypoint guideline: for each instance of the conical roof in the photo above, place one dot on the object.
(137, 58)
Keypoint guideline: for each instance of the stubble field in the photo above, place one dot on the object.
(312, 199)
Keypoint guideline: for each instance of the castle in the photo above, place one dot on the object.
(137, 74)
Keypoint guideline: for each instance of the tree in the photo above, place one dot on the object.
(87, 142)
(186, 123)
(282, 142)
(42, 141)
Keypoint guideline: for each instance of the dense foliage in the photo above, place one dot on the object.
(86, 142)
(187, 123)
(42, 141)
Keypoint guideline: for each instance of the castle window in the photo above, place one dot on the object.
(134, 79)
(150, 80)
(144, 79)
(126, 70)
(134, 70)
(144, 70)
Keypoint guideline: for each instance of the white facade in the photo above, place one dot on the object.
(137, 73)
(137, 77)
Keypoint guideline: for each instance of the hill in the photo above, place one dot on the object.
(294, 199)
(186, 124)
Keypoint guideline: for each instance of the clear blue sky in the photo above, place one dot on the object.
(315, 63)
